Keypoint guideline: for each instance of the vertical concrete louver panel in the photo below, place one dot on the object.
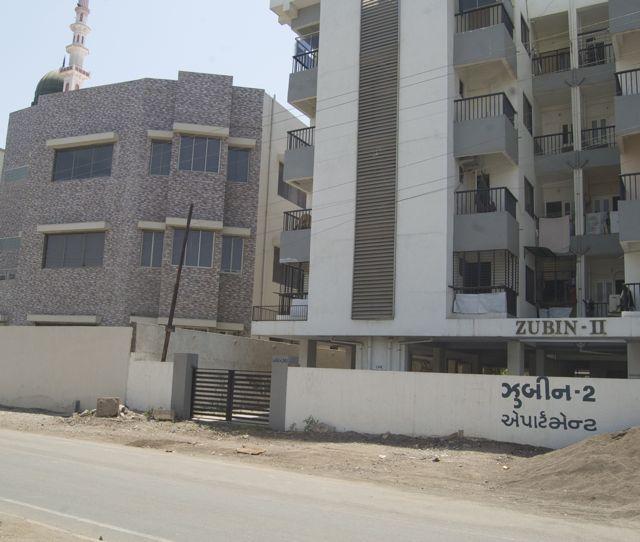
(375, 221)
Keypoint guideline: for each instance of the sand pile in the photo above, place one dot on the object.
(601, 470)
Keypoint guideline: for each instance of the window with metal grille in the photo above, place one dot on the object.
(530, 285)
(485, 271)
(83, 163)
(199, 154)
(278, 268)
(199, 248)
(527, 117)
(232, 249)
(238, 165)
(152, 242)
(529, 198)
(74, 250)
(525, 35)
(160, 163)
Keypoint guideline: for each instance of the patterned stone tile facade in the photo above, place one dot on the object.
(121, 287)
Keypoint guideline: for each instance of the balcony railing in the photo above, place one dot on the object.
(300, 139)
(553, 143)
(490, 200)
(596, 138)
(297, 220)
(628, 82)
(7, 274)
(630, 297)
(512, 296)
(595, 47)
(274, 314)
(552, 61)
(484, 17)
(630, 186)
(483, 107)
(305, 61)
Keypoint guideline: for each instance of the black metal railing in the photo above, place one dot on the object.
(628, 82)
(483, 107)
(512, 296)
(552, 61)
(484, 17)
(300, 139)
(630, 297)
(297, 220)
(595, 47)
(305, 61)
(629, 186)
(596, 309)
(553, 143)
(489, 200)
(276, 313)
(595, 138)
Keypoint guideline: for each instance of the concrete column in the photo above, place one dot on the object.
(515, 358)
(541, 369)
(182, 387)
(633, 360)
(308, 350)
(278, 400)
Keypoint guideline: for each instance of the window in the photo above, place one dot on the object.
(232, 248)
(528, 113)
(83, 163)
(288, 192)
(529, 198)
(461, 88)
(199, 248)
(278, 268)
(74, 250)
(466, 5)
(525, 35)
(152, 242)
(238, 168)
(160, 163)
(199, 154)
(530, 285)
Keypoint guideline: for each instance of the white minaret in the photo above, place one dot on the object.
(74, 74)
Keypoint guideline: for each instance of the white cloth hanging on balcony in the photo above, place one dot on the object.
(480, 303)
(555, 234)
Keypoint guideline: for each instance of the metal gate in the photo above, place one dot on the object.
(230, 395)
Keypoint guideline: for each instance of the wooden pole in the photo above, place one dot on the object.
(176, 287)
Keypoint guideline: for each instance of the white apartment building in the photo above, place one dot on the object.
(473, 167)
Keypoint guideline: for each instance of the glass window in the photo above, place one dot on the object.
(74, 250)
(238, 169)
(199, 154)
(529, 198)
(83, 163)
(232, 249)
(199, 248)
(152, 242)
(528, 113)
(160, 158)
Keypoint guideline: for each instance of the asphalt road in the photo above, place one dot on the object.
(122, 493)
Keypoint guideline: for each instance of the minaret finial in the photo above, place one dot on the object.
(74, 74)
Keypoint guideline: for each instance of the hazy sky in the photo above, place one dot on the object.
(143, 38)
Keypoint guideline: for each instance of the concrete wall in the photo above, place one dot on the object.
(51, 368)
(419, 404)
(149, 385)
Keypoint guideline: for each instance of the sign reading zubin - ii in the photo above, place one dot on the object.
(561, 328)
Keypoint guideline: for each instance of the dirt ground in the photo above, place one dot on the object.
(14, 529)
(596, 480)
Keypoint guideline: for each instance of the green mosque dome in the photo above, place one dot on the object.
(52, 82)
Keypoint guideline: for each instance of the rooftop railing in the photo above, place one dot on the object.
(482, 107)
(483, 17)
(489, 200)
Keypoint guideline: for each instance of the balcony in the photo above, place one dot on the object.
(289, 313)
(485, 220)
(485, 125)
(628, 102)
(298, 158)
(295, 239)
(485, 35)
(629, 211)
(555, 154)
(293, 304)
(303, 81)
(630, 297)
(485, 283)
(601, 236)
(623, 16)
(557, 61)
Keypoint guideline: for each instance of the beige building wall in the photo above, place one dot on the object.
(277, 122)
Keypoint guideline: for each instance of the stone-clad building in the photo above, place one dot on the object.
(95, 192)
